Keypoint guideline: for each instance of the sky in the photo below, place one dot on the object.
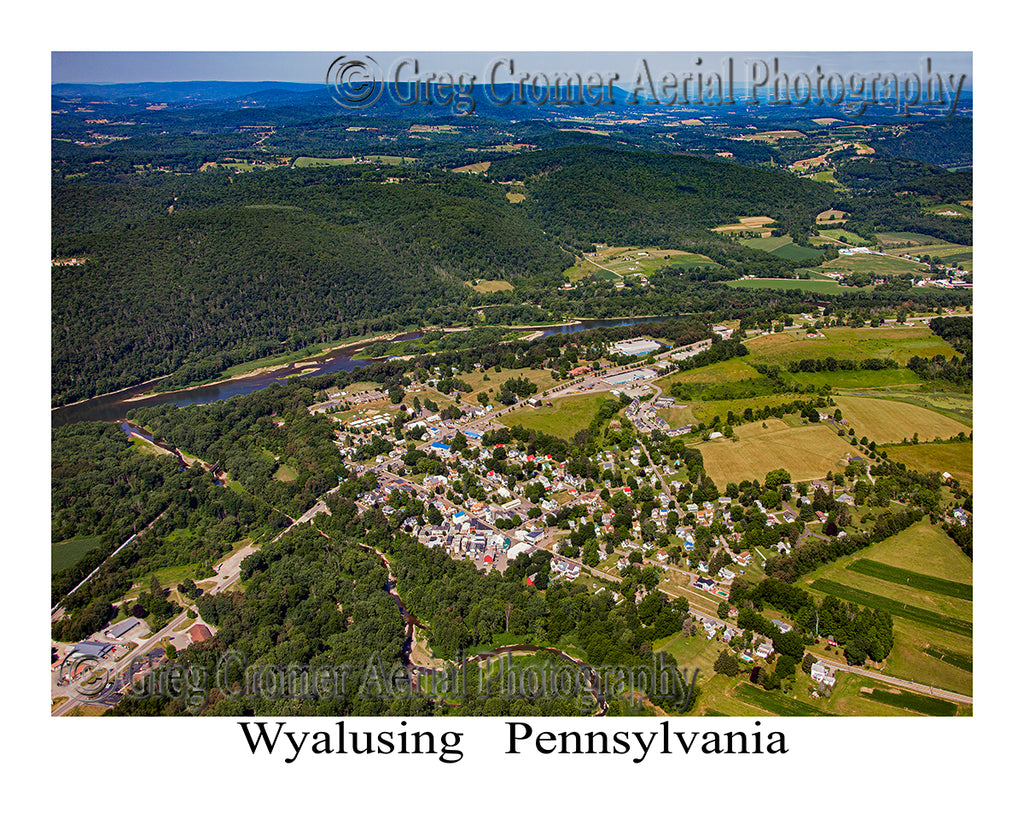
(311, 66)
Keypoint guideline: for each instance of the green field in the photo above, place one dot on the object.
(951, 657)
(732, 370)
(915, 580)
(323, 162)
(898, 343)
(564, 418)
(807, 285)
(898, 237)
(857, 379)
(783, 247)
(775, 703)
(955, 458)
(847, 236)
(67, 553)
(610, 264)
(872, 264)
(894, 607)
(962, 255)
(914, 702)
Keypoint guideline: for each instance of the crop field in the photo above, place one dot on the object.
(783, 247)
(914, 702)
(891, 421)
(955, 458)
(564, 418)
(774, 702)
(896, 608)
(898, 343)
(932, 630)
(67, 553)
(951, 657)
(905, 577)
(751, 223)
(806, 452)
(900, 238)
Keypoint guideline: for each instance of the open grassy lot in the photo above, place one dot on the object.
(949, 253)
(898, 343)
(847, 236)
(857, 379)
(923, 548)
(956, 458)
(807, 285)
(677, 416)
(475, 379)
(903, 237)
(564, 418)
(872, 264)
(323, 162)
(285, 474)
(732, 370)
(707, 410)
(806, 452)
(486, 286)
(891, 421)
(612, 263)
(946, 210)
(67, 553)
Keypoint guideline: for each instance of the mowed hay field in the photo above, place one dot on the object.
(955, 458)
(564, 418)
(932, 653)
(806, 452)
(887, 422)
(898, 343)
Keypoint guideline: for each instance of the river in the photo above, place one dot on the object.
(115, 405)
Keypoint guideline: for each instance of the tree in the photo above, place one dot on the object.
(727, 664)
(786, 666)
(807, 662)
(723, 609)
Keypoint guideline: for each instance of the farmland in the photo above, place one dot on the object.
(956, 458)
(806, 452)
(782, 246)
(872, 264)
(807, 285)
(893, 421)
(898, 343)
(932, 630)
